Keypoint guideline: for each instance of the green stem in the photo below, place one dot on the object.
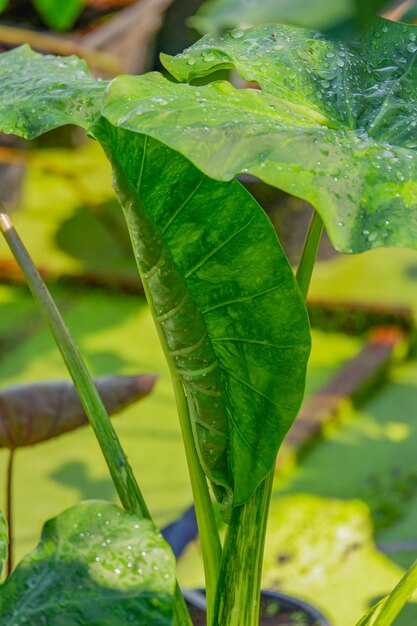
(120, 470)
(9, 512)
(238, 592)
(238, 596)
(308, 257)
(206, 521)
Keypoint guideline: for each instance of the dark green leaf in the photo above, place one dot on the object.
(95, 565)
(40, 92)
(320, 14)
(227, 302)
(3, 541)
(33, 413)
(59, 15)
(333, 124)
(225, 296)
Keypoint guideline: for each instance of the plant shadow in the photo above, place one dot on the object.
(76, 475)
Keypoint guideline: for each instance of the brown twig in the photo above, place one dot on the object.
(13, 36)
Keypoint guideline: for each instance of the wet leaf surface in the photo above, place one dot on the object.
(95, 565)
(335, 124)
(41, 92)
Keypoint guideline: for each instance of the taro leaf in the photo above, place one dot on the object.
(227, 304)
(59, 15)
(333, 124)
(320, 14)
(39, 93)
(33, 413)
(226, 301)
(3, 541)
(95, 565)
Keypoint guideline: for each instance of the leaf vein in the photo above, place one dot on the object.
(219, 247)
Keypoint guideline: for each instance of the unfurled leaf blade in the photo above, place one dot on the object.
(37, 412)
(95, 564)
(59, 15)
(3, 541)
(335, 124)
(226, 301)
(41, 92)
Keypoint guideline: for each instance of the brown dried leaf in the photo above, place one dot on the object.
(37, 412)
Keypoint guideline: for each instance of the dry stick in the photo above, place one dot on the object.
(9, 511)
(10, 35)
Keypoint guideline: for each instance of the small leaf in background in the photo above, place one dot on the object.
(59, 15)
(334, 124)
(62, 91)
(95, 565)
(321, 14)
(3, 4)
(3, 541)
(33, 413)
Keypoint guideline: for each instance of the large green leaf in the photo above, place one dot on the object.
(39, 93)
(332, 123)
(3, 541)
(320, 14)
(59, 15)
(226, 301)
(95, 565)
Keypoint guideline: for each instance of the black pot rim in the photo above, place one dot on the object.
(297, 603)
(306, 606)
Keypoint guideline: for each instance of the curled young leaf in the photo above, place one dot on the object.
(37, 412)
(95, 564)
(226, 302)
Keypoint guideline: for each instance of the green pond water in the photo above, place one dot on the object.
(355, 489)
